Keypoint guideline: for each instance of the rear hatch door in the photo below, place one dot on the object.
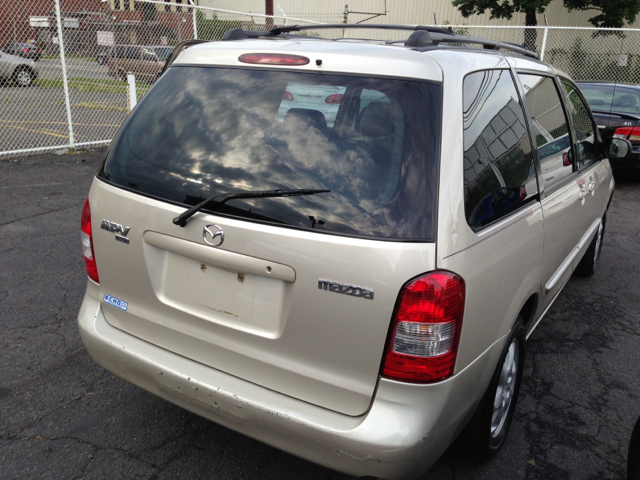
(295, 293)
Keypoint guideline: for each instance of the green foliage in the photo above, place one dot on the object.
(501, 8)
(613, 13)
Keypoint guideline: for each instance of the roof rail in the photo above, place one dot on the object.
(424, 37)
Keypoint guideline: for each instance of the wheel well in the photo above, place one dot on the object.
(528, 310)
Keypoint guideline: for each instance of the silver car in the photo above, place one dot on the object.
(20, 71)
(358, 290)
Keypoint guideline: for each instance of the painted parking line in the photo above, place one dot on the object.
(37, 131)
(60, 123)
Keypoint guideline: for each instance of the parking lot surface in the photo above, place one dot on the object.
(62, 416)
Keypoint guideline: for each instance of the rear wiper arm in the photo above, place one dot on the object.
(181, 220)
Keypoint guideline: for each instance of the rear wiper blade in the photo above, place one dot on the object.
(181, 220)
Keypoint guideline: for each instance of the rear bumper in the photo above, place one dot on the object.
(405, 431)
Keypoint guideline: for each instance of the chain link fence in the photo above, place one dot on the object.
(66, 66)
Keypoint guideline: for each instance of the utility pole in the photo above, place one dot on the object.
(268, 10)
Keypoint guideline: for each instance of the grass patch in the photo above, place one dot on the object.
(92, 85)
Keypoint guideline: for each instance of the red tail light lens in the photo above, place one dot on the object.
(25, 49)
(425, 331)
(630, 133)
(523, 192)
(87, 242)
(287, 95)
(566, 161)
(273, 59)
(334, 99)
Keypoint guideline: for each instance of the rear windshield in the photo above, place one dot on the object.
(204, 131)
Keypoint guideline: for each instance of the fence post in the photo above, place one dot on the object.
(195, 23)
(65, 84)
(544, 38)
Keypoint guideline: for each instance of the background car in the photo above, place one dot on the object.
(101, 58)
(25, 50)
(144, 61)
(616, 107)
(18, 70)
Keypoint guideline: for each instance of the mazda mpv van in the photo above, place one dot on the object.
(354, 288)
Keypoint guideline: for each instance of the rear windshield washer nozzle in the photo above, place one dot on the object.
(319, 61)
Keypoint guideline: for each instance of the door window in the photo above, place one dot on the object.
(583, 125)
(499, 173)
(549, 127)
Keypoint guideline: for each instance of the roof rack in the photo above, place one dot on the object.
(423, 37)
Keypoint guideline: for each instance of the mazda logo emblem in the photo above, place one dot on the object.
(213, 232)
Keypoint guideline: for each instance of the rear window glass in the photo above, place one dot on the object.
(204, 131)
(626, 100)
(598, 97)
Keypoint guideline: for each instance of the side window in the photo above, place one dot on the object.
(133, 53)
(499, 173)
(583, 125)
(549, 128)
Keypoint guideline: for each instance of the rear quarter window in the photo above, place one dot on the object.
(499, 173)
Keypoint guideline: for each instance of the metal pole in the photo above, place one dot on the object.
(195, 24)
(65, 84)
(544, 38)
(283, 14)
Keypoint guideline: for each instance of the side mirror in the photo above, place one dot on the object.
(619, 148)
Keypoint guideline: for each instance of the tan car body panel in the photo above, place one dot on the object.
(289, 353)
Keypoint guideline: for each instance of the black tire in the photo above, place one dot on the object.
(23, 77)
(485, 435)
(589, 263)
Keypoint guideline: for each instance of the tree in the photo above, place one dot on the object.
(613, 13)
(506, 9)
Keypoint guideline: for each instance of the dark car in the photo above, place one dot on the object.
(616, 107)
(25, 50)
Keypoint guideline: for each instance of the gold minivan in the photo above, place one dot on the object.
(145, 62)
(353, 285)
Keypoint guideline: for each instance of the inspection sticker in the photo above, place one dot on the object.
(116, 302)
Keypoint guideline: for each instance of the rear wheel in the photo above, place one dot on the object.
(589, 263)
(23, 78)
(485, 434)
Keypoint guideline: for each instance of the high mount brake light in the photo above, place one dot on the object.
(87, 242)
(425, 331)
(630, 133)
(335, 98)
(273, 59)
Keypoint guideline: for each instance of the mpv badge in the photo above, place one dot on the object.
(120, 231)
(213, 232)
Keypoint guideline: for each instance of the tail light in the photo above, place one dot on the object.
(287, 95)
(566, 161)
(630, 133)
(25, 49)
(425, 330)
(523, 192)
(334, 99)
(87, 242)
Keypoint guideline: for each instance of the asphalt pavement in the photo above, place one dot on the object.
(62, 416)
